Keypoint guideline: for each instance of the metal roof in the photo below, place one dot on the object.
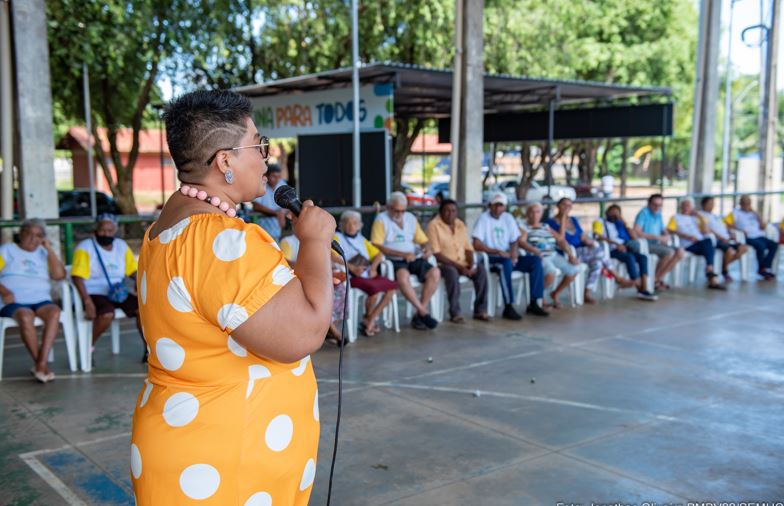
(425, 92)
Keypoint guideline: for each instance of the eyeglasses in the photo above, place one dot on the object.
(262, 146)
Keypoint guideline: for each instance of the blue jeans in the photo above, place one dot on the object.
(766, 251)
(705, 249)
(530, 264)
(636, 263)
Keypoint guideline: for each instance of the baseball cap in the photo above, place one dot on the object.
(499, 198)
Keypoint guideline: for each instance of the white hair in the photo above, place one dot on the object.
(687, 199)
(397, 198)
(33, 223)
(348, 216)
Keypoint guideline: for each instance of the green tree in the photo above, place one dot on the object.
(124, 43)
(642, 42)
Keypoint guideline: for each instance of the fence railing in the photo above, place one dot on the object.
(68, 225)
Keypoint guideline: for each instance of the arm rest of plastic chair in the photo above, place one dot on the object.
(644, 249)
(772, 232)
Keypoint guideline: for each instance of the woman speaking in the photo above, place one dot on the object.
(229, 411)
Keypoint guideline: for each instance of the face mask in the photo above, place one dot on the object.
(612, 219)
(104, 240)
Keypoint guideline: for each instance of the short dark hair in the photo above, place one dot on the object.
(446, 202)
(614, 206)
(200, 123)
(705, 200)
(562, 200)
(273, 167)
(655, 196)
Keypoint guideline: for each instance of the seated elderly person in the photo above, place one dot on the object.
(26, 271)
(732, 250)
(273, 217)
(538, 239)
(101, 267)
(363, 260)
(649, 225)
(455, 254)
(398, 235)
(624, 248)
(496, 233)
(750, 223)
(695, 239)
(589, 251)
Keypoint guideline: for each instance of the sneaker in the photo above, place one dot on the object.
(536, 310)
(429, 321)
(511, 314)
(417, 323)
(646, 295)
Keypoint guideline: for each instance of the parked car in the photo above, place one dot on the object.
(416, 199)
(537, 192)
(77, 203)
(438, 187)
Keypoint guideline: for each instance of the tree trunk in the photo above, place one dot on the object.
(406, 131)
(624, 166)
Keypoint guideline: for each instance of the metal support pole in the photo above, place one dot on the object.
(725, 154)
(457, 93)
(548, 176)
(355, 85)
(768, 112)
(160, 141)
(7, 118)
(89, 126)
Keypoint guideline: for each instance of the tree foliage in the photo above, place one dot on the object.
(123, 43)
(226, 43)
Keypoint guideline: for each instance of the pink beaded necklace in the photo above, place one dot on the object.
(190, 191)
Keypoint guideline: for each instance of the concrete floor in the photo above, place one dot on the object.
(625, 401)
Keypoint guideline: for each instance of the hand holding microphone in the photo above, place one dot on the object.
(313, 222)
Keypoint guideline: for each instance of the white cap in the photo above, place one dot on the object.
(499, 198)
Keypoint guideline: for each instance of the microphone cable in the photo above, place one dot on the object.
(343, 338)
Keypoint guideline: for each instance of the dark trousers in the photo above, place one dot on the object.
(705, 249)
(452, 281)
(528, 263)
(636, 263)
(766, 250)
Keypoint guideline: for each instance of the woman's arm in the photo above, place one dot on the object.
(56, 267)
(306, 299)
(6, 294)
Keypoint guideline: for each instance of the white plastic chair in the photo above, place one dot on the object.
(389, 271)
(356, 300)
(463, 282)
(84, 330)
(66, 321)
(772, 233)
(495, 295)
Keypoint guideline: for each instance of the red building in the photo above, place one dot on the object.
(147, 171)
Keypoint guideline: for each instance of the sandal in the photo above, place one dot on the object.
(334, 340)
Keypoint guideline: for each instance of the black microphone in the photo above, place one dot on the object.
(286, 197)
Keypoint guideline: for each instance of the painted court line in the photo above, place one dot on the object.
(53, 481)
(506, 395)
(50, 478)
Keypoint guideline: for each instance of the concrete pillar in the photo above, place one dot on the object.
(469, 173)
(706, 89)
(768, 113)
(37, 196)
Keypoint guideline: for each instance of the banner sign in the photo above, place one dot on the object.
(323, 112)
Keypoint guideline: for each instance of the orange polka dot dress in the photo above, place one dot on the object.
(214, 423)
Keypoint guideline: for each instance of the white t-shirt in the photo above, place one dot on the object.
(715, 224)
(396, 238)
(496, 233)
(25, 273)
(686, 224)
(119, 262)
(747, 221)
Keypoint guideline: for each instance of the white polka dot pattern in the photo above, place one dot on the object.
(172, 233)
(279, 433)
(229, 245)
(180, 409)
(136, 462)
(199, 481)
(307, 475)
(259, 499)
(170, 354)
(178, 295)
